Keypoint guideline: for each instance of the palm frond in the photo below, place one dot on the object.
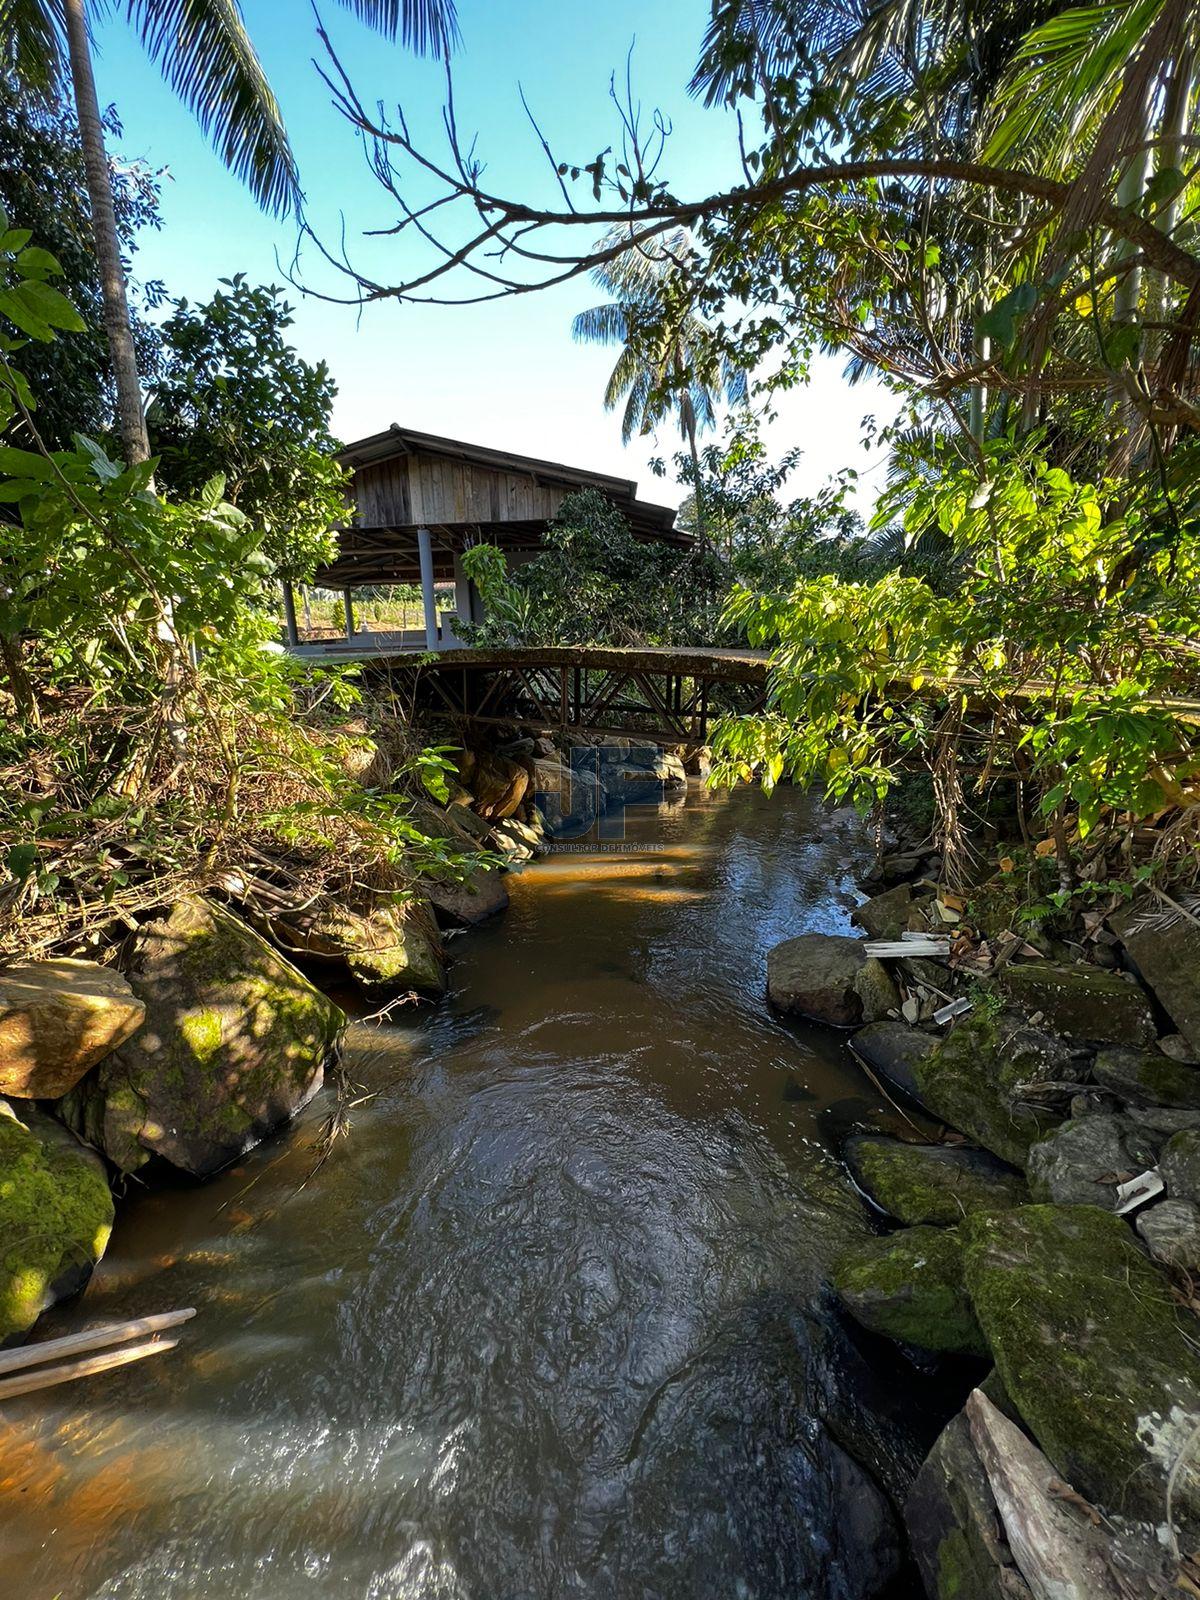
(428, 27)
(206, 56)
(31, 41)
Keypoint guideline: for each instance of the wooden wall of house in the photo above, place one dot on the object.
(429, 490)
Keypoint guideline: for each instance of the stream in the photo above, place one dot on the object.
(538, 1326)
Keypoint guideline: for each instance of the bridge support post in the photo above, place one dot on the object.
(289, 614)
(428, 598)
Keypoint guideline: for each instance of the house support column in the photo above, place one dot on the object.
(348, 611)
(429, 600)
(289, 614)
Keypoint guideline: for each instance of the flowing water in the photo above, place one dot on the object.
(536, 1327)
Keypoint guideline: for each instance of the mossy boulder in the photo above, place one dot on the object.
(1082, 1002)
(1093, 1351)
(391, 948)
(830, 978)
(57, 1019)
(1082, 1162)
(973, 1079)
(909, 1286)
(1171, 1231)
(56, 1214)
(234, 1043)
(1148, 1078)
(931, 1183)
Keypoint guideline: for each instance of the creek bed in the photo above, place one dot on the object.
(531, 1329)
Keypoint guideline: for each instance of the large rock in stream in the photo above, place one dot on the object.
(234, 1043)
(57, 1019)
(908, 1286)
(830, 978)
(56, 1213)
(974, 1081)
(1094, 1353)
(391, 949)
(931, 1183)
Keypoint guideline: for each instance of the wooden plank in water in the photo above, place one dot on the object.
(50, 1377)
(73, 1344)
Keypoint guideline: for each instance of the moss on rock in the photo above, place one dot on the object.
(1093, 1351)
(234, 1044)
(1148, 1078)
(969, 1082)
(1083, 1002)
(909, 1286)
(938, 1184)
(56, 1214)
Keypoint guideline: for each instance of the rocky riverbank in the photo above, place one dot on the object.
(206, 1028)
(1043, 1222)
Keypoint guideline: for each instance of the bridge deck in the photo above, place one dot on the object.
(731, 665)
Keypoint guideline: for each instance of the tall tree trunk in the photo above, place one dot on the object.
(104, 232)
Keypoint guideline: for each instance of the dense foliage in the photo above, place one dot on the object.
(235, 398)
(161, 739)
(595, 582)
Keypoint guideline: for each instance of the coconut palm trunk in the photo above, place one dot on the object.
(130, 416)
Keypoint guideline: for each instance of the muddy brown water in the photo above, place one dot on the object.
(472, 1357)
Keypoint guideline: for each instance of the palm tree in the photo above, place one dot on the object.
(671, 360)
(206, 56)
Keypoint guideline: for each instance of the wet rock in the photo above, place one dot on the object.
(1171, 1231)
(697, 763)
(750, 1408)
(569, 797)
(497, 782)
(909, 1286)
(56, 1214)
(885, 916)
(931, 1183)
(57, 1020)
(1082, 1002)
(1082, 1162)
(480, 895)
(1092, 1350)
(233, 1044)
(892, 1049)
(974, 1079)
(392, 949)
(954, 1526)
(830, 978)
(1148, 1078)
(1165, 947)
(1179, 1165)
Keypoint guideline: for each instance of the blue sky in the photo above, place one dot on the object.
(506, 374)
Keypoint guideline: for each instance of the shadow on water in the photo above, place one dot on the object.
(538, 1328)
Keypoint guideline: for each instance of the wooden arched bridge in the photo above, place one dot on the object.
(666, 695)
